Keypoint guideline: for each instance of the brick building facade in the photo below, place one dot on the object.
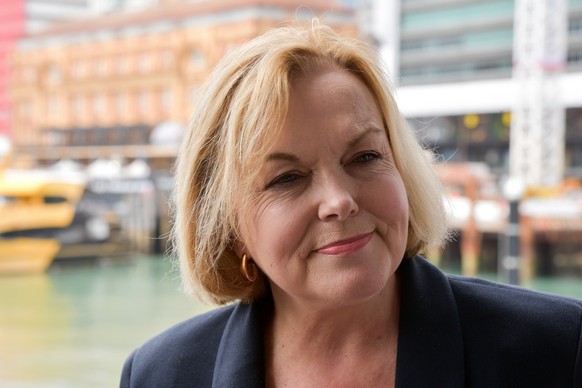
(97, 88)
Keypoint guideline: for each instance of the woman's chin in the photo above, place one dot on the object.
(354, 288)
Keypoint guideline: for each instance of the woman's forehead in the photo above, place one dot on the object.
(319, 77)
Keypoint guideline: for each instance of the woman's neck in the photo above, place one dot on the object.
(327, 341)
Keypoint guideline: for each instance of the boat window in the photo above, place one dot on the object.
(54, 199)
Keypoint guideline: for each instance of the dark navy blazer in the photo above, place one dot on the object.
(454, 332)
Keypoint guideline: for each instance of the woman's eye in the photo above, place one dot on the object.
(283, 180)
(367, 157)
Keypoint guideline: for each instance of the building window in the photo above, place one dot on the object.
(52, 106)
(79, 69)
(166, 99)
(142, 101)
(55, 138)
(99, 104)
(78, 106)
(122, 64)
(25, 110)
(196, 59)
(121, 103)
(167, 59)
(575, 27)
(470, 137)
(424, 19)
(54, 74)
(100, 66)
(144, 62)
(575, 57)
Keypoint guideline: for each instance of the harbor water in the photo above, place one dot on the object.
(75, 325)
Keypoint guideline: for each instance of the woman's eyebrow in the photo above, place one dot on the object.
(369, 130)
(293, 158)
(282, 156)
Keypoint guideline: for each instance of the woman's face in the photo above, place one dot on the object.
(329, 216)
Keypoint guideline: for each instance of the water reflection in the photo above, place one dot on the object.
(74, 326)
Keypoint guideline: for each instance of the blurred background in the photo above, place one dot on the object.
(95, 97)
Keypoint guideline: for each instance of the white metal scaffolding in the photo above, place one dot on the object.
(537, 139)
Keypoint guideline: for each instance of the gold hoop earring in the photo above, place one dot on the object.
(249, 268)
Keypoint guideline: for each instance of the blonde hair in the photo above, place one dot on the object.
(243, 106)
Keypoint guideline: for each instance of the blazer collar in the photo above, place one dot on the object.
(240, 356)
(430, 343)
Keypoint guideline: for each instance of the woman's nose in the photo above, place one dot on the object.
(337, 199)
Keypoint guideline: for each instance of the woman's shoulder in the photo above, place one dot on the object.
(197, 329)
(193, 342)
(503, 335)
(508, 330)
(479, 294)
(476, 294)
(502, 310)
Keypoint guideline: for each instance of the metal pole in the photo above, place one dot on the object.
(510, 260)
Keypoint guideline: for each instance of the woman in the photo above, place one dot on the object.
(303, 197)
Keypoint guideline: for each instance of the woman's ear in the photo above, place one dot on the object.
(239, 248)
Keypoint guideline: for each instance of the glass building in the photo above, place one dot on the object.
(455, 40)
(454, 77)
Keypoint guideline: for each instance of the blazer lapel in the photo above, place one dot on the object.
(240, 356)
(430, 343)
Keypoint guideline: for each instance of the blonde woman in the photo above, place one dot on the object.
(302, 203)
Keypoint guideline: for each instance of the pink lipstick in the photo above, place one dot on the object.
(347, 246)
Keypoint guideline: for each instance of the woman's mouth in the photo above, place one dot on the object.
(347, 246)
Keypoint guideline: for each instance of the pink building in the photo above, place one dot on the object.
(12, 27)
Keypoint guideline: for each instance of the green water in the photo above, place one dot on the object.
(74, 326)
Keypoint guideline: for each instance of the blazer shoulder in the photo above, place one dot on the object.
(519, 300)
(200, 328)
(528, 332)
(193, 342)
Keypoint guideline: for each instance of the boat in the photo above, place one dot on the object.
(34, 207)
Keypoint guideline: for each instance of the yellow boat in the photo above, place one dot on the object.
(31, 206)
